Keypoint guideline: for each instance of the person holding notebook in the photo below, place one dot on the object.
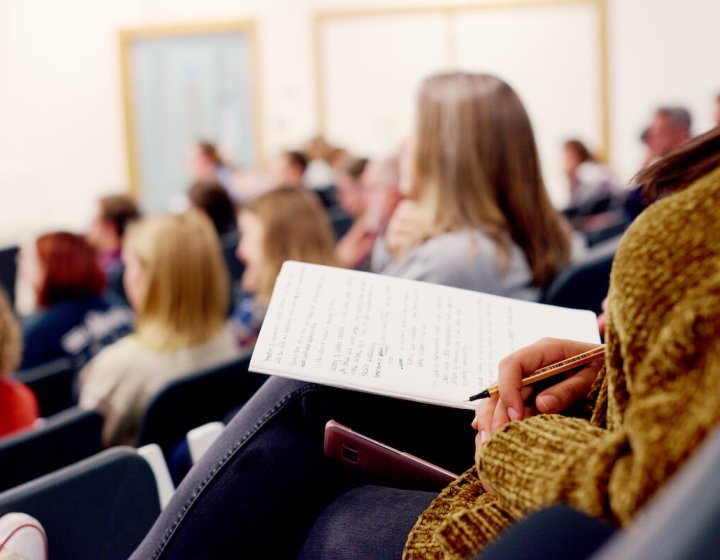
(636, 419)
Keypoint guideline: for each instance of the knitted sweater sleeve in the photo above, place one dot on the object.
(671, 404)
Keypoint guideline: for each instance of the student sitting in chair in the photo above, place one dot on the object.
(284, 224)
(176, 282)
(75, 320)
(475, 212)
(641, 412)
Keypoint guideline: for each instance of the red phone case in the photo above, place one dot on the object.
(382, 461)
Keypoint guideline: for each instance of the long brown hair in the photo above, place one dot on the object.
(295, 227)
(476, 159)
(682, 166)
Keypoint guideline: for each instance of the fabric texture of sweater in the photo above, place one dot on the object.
(653, 403)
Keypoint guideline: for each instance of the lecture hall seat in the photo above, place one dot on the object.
(53, 384)
(581, 286)
(97, 509)
(196, 400)
(58, 441)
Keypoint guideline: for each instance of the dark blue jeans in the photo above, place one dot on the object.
(265, 490)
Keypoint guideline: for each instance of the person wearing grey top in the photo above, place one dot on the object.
(463, 259)
(475, 213)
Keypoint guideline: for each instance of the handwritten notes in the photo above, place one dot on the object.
(396, 337)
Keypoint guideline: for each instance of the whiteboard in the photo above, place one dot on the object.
(372, 68)
(550, 53)
(550, 56)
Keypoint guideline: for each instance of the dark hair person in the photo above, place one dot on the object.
(212, 199)
(68, 283)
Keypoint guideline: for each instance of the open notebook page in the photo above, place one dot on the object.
(396, 337)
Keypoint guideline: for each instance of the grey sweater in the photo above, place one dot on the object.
(463, 259)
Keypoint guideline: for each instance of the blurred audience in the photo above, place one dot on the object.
(348, 184)
(106, 231)
(370, 198)
(476, 214)
(590, 181)
(669, 128)
(75, 319)
(177, 285)
(18, 405)
(290, 168)
(322, 158)
(210, 198)
(206, 164)
(285, 224)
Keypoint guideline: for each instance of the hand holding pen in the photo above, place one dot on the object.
(508, 399)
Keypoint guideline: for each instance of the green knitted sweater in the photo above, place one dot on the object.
(656, 398)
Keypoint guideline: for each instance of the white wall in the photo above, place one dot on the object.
(61, 124)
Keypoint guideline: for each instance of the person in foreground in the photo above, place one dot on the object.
(263, 487)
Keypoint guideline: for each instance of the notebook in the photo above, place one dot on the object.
(401, 338)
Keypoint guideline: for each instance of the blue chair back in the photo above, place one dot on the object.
(97, 509)
(581, 286)
(196, 400)
(340, 221)
(53, 384)
(62, 440)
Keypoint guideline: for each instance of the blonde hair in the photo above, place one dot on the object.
(186, 295)
(295, 227)
(10, 338)
(476, 166)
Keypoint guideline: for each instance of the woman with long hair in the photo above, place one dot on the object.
(177, 285)
(476, 214)
(288, 223)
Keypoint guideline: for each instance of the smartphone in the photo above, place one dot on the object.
(388, 465)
